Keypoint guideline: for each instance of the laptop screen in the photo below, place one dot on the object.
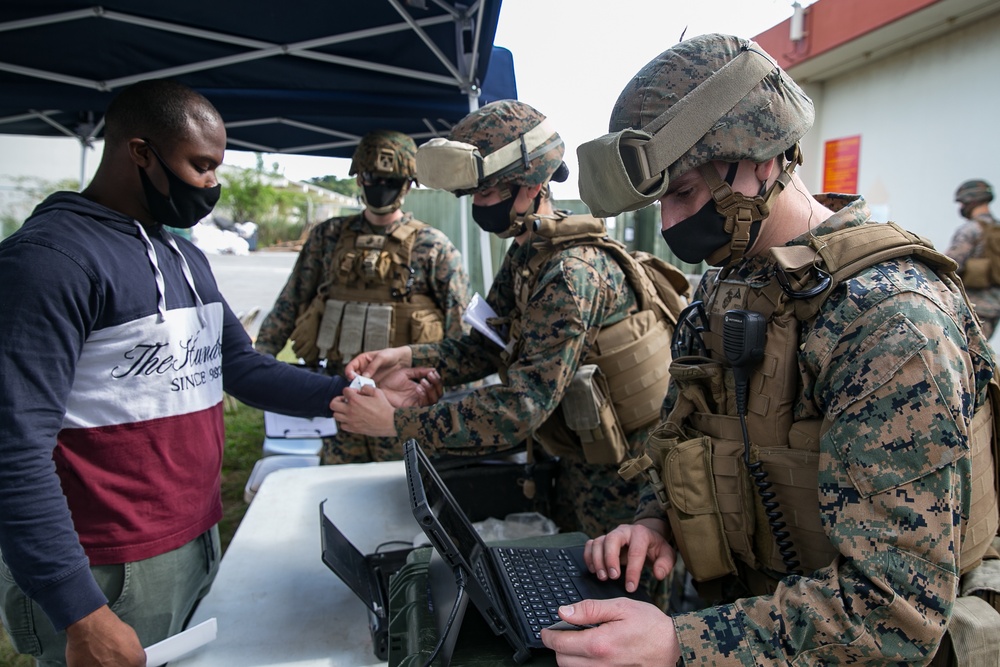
(348, 563)
(452, 520)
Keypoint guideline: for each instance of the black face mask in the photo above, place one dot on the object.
(695, 238)
(184, 205)
(379, 196)
(495, 218)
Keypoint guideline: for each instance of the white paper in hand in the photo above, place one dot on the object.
(477, 314)
(360, 381)
(180, 644)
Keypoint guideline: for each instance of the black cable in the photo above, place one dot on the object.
(775, 519)
(460, 594)
(402, 543)
(743, 342)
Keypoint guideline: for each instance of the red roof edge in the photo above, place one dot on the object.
(832, 23)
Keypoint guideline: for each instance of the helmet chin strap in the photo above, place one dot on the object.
(519, 222)
(742, 211)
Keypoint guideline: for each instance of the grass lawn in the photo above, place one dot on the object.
(244, 435)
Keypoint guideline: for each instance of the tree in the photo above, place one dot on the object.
(251, 195)
(28, 192)
(345, 186)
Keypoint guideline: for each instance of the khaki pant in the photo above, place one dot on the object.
(155, 596)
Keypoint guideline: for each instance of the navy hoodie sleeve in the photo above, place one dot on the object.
(42, 331)
(257, 379)
(261, 381)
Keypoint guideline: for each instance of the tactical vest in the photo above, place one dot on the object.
(695, 459)
(984, 272)
(367, 301)
(620, 384)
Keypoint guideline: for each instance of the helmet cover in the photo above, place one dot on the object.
(769, 120)
(386, 153)
(497, 124)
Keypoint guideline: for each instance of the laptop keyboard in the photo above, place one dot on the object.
(542, 581)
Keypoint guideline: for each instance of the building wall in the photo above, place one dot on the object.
(929, 118)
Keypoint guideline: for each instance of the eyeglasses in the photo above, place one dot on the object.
(691, 323)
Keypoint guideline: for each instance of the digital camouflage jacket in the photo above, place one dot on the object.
(579, 290)
(893, 471)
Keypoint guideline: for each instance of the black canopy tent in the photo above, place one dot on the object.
(307, 77)
(303, 76)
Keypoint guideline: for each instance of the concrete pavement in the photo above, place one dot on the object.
(253, 280)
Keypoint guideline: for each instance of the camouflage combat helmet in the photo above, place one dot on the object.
(974, 192)
(769, 120)
(500, 123)
(710, 98)
(386, 153)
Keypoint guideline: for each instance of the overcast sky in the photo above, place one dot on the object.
(571, 60)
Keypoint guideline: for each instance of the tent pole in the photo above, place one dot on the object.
(485, 247)
(83, 162)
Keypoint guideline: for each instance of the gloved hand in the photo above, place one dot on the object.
(306, 329)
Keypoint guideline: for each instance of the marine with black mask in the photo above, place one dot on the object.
(828, 420)
(369, 280)
(565, 302)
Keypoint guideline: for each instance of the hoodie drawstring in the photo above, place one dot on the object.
(161, 299)
(186, 270)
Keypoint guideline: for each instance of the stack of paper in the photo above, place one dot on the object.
(477, 315)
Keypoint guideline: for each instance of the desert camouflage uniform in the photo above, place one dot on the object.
(969, 241)
(893, 475)
(437, 272)
(579, 290)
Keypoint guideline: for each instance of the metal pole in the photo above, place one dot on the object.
(83, 162)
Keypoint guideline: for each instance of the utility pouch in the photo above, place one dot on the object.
(369, 265)
(426, 326)
(976, 273)
(974, 630)
(701, 384)
(304, 334)
(732, 483)
(352, 330)
(329, 327)
(984, 581)
(378, 327)
(973, 637)
(345, 271)
(588, 411)
(695, 517)
(648, 464)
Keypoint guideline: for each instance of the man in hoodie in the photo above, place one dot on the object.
(115, 349)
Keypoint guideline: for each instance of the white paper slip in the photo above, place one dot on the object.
(180, 644)
(283, 426)
(477, 314)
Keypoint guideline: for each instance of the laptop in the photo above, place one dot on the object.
(517, 590)
(366, 575)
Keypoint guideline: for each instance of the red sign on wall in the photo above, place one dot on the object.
(840, 165)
